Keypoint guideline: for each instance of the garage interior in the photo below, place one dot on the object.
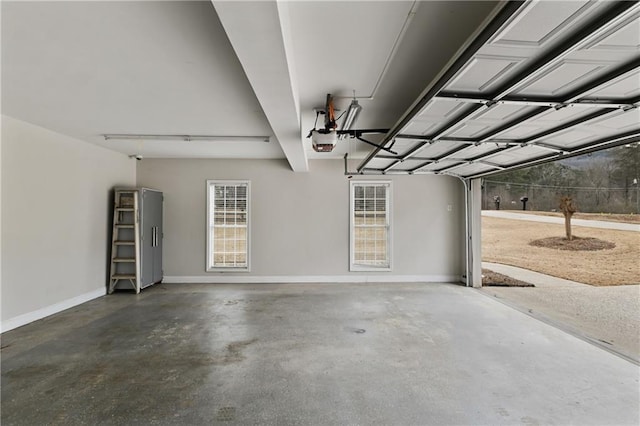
(173, 95)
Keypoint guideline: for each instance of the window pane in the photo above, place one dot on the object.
(368, 205)
(229, 209)
(370, 236)
(368, 191)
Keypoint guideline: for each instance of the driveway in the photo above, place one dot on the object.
(606, 316)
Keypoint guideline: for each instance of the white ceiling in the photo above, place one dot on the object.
(229, 68)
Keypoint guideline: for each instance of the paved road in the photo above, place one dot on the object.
(550, 219)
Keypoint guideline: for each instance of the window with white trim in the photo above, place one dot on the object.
(228, 225)
(370, 226)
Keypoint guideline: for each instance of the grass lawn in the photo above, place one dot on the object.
(507, 241)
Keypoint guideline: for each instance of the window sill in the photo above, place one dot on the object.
(233, 270)
(363, 268)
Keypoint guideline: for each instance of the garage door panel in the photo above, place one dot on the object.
(439, 109)
(439, 165)
(624, 36)
(420, 127)
(483, 73)
(547, 120)
(469, 129)
(616, 121)
(570, 138)
(410, 164)
(622, 88)
(539, 24)
(402, 146)
(380, 163)
(474, 151)
(515, 155)
(563, 77)
(473, 168)
(440, 148)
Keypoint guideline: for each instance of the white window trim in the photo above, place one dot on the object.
(354, 267)
(209, 241)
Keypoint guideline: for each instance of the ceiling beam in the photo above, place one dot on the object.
(259, 34)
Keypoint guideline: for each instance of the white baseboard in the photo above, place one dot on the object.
(24, 319)
(257, 279)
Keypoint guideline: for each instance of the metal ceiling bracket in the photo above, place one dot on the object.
(346, 167)
(541, 102)
(376, 145)
(408, 136)
(359, 132)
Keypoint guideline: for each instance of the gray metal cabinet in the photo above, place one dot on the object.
(151, 236)
(136, 251)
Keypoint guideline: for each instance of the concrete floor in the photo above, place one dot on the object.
(394, 354)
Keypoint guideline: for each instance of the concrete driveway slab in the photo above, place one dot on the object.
(533, 277)
(607, 316)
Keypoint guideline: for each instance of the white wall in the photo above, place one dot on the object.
(55, 220)
(300, 222)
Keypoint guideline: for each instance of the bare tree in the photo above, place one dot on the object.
(627, 161)
(568, 209)
(597, 174)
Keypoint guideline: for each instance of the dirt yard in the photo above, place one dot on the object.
(507, 241)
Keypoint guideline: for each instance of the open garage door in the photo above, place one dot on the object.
(542, 81)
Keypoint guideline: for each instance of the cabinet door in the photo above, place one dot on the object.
(157, 249)
(151, 238)
(147, 240)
